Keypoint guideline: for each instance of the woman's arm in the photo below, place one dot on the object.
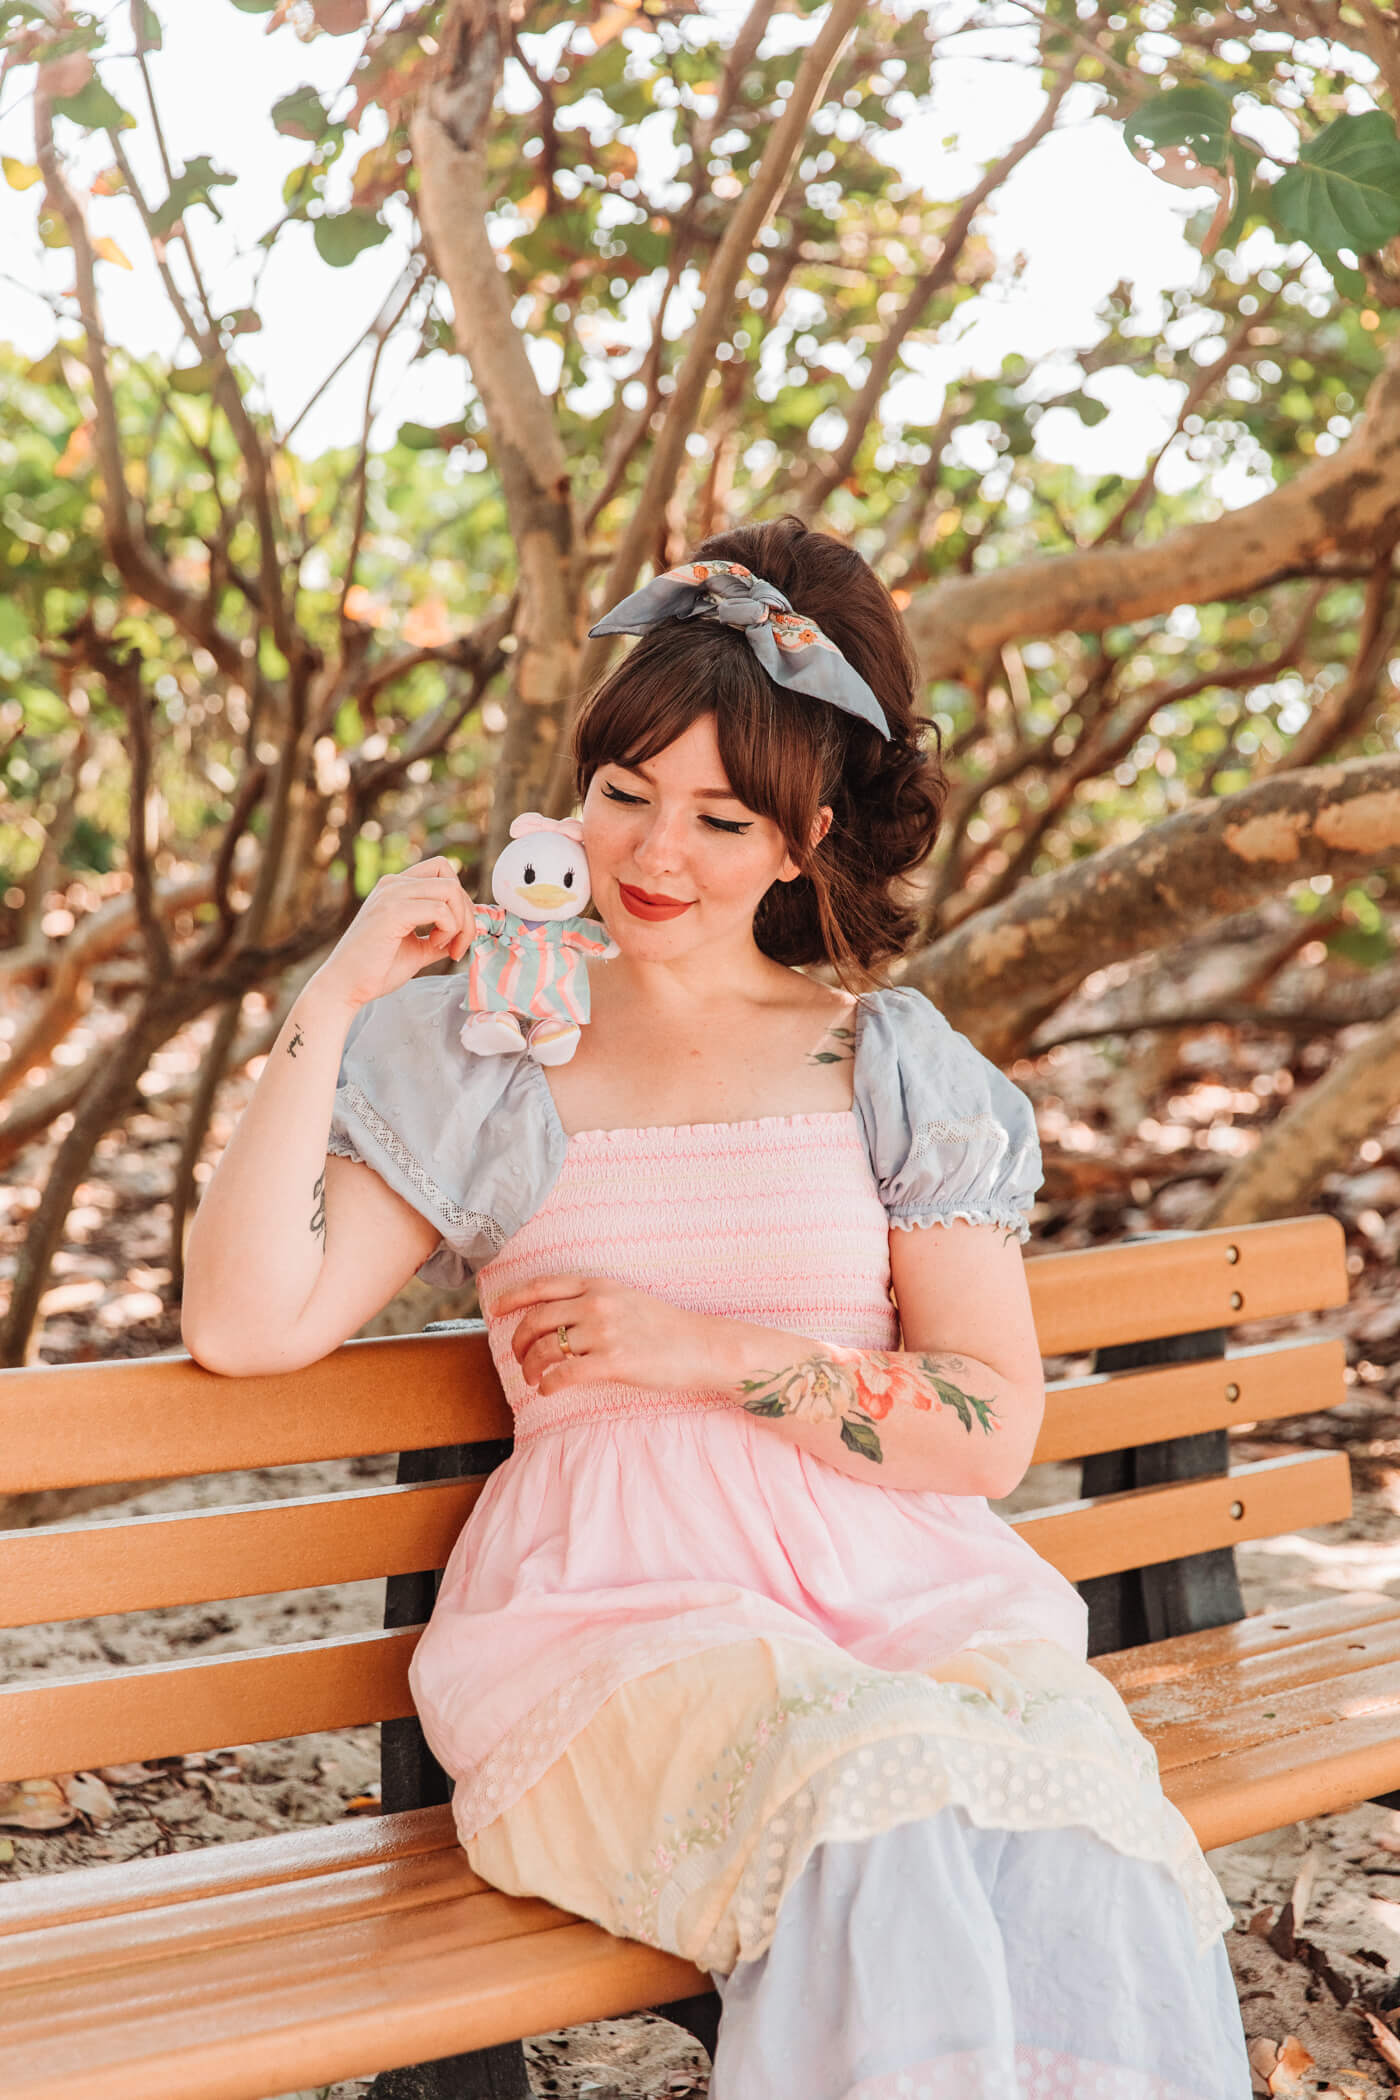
(958, 1408)
(292, 1250)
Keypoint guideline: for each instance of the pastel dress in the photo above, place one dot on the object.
(838, 1744)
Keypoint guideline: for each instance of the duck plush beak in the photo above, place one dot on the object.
(544, 895)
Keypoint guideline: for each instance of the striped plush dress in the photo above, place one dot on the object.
(836, 1743)
(532, 966)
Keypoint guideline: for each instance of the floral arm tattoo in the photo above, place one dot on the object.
(318, 1215)
(860, 1387)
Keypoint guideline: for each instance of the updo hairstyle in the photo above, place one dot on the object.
(785, 754)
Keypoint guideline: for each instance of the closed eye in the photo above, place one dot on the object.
(719, 823)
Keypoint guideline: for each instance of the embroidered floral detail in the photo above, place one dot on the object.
(464, 1223)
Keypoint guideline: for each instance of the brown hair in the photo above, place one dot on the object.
(786, 754)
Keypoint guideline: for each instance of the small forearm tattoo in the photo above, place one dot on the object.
(318, 1215)
(296, 1042)
(860, 1387)
(844, 1041)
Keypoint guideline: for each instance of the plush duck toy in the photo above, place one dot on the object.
(527, 962)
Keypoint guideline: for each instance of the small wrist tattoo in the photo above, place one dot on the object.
(318, 1215)
(295, 1042)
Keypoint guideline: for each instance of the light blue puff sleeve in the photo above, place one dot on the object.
(469, 1141)
(949, 1135)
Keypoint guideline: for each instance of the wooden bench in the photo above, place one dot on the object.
(252, 1969)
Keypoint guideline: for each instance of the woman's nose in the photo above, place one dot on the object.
(660, 846)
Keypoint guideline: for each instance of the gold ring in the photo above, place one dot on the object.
(563, 1334)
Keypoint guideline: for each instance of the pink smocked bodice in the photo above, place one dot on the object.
(775, 1221)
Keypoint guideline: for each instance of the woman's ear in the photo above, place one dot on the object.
(790, 871)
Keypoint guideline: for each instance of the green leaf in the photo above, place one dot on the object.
(859, 1437)
(1243, 162)
(1347, 280)
(255, 7)
(1343, 191)
(190, 187)
(149, 29)
(95, 108)
(1196, 115)
(193, 379)
(300, 115)
(341, 236)
(772, 1406)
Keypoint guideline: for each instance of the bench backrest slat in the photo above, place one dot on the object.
(75, 1425)
(80, 1571)
(1144, 1526)
(1102, 1297)
(1107, 1410)
(201, 1556)
(256, 1695)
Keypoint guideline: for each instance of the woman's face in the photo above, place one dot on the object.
(673, 830)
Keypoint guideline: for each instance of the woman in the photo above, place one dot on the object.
(732, 1655)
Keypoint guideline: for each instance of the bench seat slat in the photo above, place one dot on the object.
(131, 1885)
(1182, 1655)
(1289, 1777)
(1256, 1718)
(240, 2022)
(1331, 1660)
(305, 1905)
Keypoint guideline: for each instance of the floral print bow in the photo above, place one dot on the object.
(791, 648)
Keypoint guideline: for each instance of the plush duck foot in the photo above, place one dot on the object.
(554, 1042)
(491, 1033)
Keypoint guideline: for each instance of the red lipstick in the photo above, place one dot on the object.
(643, 907)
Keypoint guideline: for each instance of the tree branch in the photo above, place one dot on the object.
(1004, 971)
(755, 209)
(1344, 505)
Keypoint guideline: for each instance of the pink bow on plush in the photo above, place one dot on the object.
(531, 820)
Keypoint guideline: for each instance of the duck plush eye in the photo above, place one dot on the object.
(529, 872)
(568, 878)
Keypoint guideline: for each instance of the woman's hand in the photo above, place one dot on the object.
(383, 945)
(616, 1334)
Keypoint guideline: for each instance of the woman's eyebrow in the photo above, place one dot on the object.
(703, 794)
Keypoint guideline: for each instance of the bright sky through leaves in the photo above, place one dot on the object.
(1080, 211)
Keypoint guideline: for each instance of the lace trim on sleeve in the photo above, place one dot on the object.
(464, 1223)
(961, 1131)
(340, 1145)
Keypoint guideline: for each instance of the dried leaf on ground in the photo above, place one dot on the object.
(35, 1804)
(1289, 2078)
(89, 1794)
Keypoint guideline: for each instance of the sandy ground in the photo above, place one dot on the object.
(1346, 1934)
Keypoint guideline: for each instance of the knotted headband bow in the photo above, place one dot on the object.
(791, 648)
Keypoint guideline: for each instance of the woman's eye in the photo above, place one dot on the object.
(719, 823)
